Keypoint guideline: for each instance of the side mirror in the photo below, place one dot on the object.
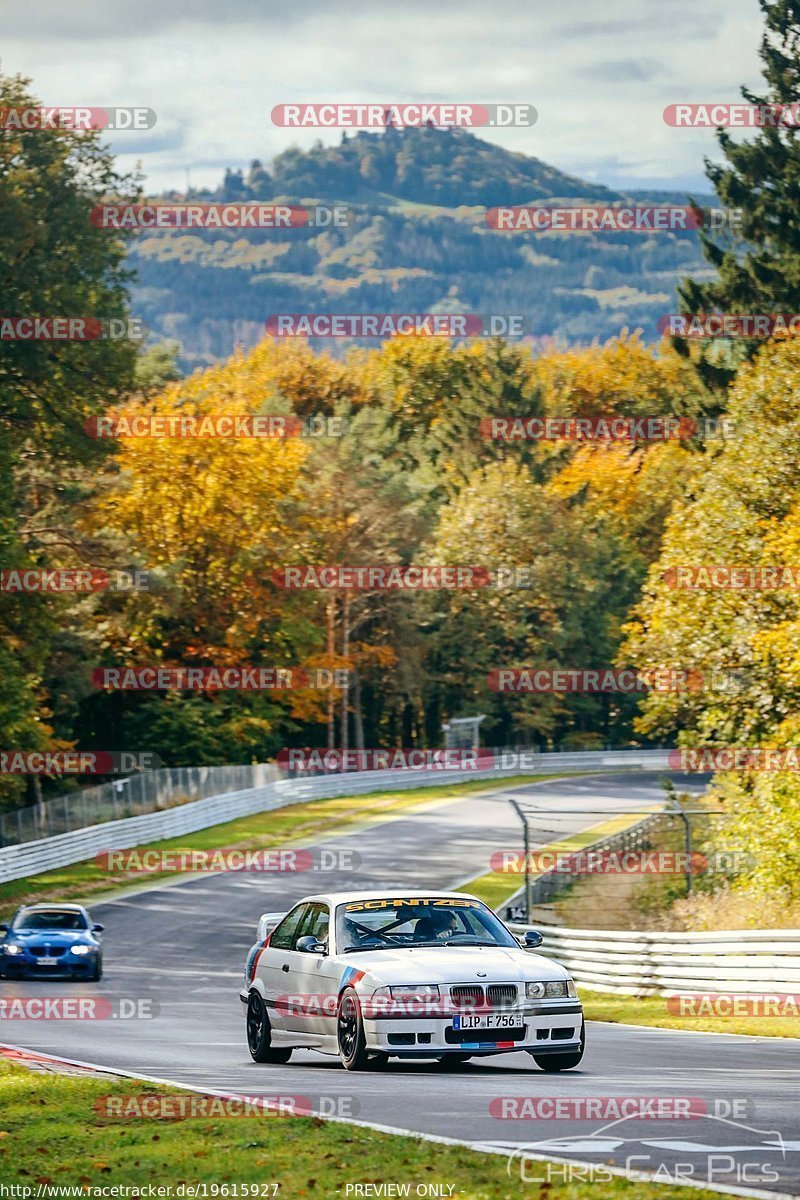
(310, 945)
(98, 928)
(532, 939)
(3, 927)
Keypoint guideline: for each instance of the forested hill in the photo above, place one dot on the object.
(445, 167)
(417, 242)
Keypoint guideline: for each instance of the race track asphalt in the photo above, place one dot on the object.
(182, 946)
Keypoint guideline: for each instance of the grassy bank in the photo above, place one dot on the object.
(51, 1134)
(652, 1010)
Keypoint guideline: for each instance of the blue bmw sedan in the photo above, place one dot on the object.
(48, 941)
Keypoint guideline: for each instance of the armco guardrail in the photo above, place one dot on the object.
(741, 961)
(128, 796)
(33, 858)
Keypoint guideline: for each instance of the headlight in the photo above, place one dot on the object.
(12, 949)
(571, 989)
(82, 949)
(556, 987)
(414, 991)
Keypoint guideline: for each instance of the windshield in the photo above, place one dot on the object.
(51, 919)
(397, 923)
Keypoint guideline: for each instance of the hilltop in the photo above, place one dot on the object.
(417, 242)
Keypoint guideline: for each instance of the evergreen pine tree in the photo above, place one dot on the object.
(758, 271)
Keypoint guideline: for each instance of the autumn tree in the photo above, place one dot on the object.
(54, 262)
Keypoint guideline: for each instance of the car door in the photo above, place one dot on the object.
(274, 967)
(315, 977)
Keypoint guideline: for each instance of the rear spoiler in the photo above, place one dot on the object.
(267, 922)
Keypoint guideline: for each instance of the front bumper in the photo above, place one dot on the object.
(555, 1029)
(67, 966)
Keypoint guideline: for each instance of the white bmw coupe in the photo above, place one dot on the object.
(371, 975)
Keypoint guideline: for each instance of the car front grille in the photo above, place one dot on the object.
(467, 995)
(49, 951)
(472, 995)
(502, 995)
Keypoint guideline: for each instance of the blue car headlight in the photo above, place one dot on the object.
(82, 949)
(10, 948)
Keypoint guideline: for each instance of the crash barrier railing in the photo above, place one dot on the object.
(545, 887)
(128, 796)
(35, 857)
(740, 961)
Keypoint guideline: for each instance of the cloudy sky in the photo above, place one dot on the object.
(600, 73)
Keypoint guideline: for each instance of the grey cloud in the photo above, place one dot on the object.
(632, 70)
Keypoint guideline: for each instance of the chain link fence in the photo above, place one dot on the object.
(130, 796)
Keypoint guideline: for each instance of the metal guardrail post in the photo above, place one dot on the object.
(526, 847)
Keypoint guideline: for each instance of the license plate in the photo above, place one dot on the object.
(47, 961)
(490, 1021)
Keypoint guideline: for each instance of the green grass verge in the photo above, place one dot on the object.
(293, 825)
(496, 887)
(652, 1010)
(52, 1134)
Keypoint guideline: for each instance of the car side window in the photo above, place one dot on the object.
(283, 934)
(315, 924)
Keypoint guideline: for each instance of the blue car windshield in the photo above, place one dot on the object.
(50, 919)
(434, 921)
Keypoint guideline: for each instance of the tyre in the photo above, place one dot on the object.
(259, 1034)
(350, 1033)
(561, 1062)
(97, 973)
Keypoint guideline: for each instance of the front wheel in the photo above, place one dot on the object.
(259, 1034)
(350, 1033)
(561, 1062)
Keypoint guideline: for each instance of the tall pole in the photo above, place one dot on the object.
(526, 847)
(331, 618)
(346, 684)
